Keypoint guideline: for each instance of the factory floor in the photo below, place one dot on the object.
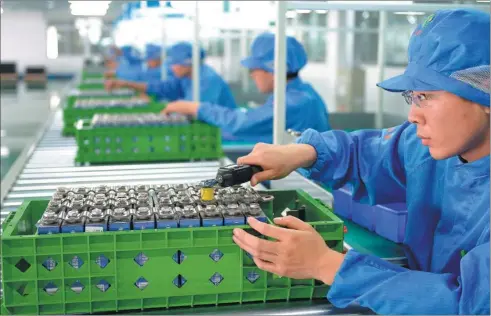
(23, 112)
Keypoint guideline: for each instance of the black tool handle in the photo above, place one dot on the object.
(236, 174)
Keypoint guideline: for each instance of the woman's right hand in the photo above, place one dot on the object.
(278, 161)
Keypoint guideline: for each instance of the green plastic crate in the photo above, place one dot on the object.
(92, 75)
(71, 115)
(90, 86)
(196, 140)
(25, 276)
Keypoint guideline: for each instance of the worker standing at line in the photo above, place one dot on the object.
(304, 107)
(438, 163)
(179, 58)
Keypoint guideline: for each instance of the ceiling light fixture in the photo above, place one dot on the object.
(89, 8)
(410, 13)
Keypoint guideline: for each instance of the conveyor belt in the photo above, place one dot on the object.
(52, 164)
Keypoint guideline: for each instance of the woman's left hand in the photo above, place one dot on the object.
(182, 107)
(297, 252)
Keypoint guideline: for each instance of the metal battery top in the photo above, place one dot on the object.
(181, 187)
(102, 189)
(164, 194)
(54, 206)
(229, 198)
(165, 201)
(99, 196)
(211, 211)
(122, 204)
(123, 188)
(142, 188)
(254, 209)
(232, 210)
(121, 195)
(120, 214)
(162, 187)
(166, 212)
(188, 211)
(49, 218)
(62, 190)
(249, 198)
(57, 196)
(73, 217)
(143, 213)
(96, 215)
(77, 205)
(142, 195)
(81, 190)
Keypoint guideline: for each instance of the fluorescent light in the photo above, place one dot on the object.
(89, 8)
(1, 10)
(52, 42)
(4, 151)
(291, 14)
(373, 2)
(410, 13)
(302, 11)
(321, 11)
(483, 1)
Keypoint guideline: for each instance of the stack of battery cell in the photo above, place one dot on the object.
(94, 103)
(139, 119)
(103, 93)
(103, 208)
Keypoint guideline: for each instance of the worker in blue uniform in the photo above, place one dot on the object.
(130, 64)
(213, 88)
(304, 107)
(438, 163)
(153, 71)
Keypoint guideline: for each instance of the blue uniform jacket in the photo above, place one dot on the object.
(213, 89)
(447, 233)
(304, 109)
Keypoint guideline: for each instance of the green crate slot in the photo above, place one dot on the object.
(150, 143)
(134, 270)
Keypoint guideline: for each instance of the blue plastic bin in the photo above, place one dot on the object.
(363, 215)
(342, 202)
(390, 221)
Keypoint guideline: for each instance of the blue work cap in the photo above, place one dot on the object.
(448, 52)
(130, 54)
(182, 54)
(262, 54)
(153, 52)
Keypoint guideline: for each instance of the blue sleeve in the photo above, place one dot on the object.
(165, 90)
(372, 161)
(386, 288)
(245, 125)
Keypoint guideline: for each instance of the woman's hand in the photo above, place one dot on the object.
(112, 84)
(298, 251)
(182, 107)
(278, 161)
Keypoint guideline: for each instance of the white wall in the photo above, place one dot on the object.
(393, 102)
(23, 36)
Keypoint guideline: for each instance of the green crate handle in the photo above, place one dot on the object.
(81, 124)
(323, 205)
(8, 220)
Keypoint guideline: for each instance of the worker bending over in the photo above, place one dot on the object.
(213, 88)
(153, 71)
(304, 107)
(129, 64)
(438, 163)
